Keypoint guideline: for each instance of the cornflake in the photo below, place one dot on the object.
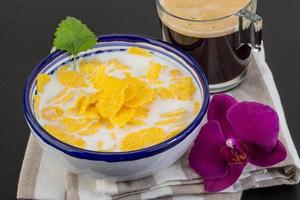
(52, 112)
(196, 107)
(175, 72)
(168, 121)
(123, 116)
(110, 101)
(56, 132)
(36, 104)
(142, 139)
(164, 93)
(71, 78)
(135, 121)
(89, 68)
(154, 70)
(139, 51)
(144, 94)
(73, 125)
(141, 112)
(183, 88)
(174, 113)
(42, 80)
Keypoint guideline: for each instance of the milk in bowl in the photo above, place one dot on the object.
(117, 101)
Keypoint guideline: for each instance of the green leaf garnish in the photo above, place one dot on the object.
(74, 37)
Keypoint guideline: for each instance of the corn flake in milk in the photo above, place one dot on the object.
(117, 101)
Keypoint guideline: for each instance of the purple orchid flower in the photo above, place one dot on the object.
(235, 134)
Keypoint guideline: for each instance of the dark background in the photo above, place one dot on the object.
(26, 34)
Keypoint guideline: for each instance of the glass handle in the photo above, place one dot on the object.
(252, 34)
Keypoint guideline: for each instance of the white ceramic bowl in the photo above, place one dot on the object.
(117, 165)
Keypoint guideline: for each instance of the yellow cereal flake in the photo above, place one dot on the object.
(175, 72)
(101, 78)
(52, 112)
(123, 116)
(59, 96)
(74, 125)
(89, 68)
(91, 113)
(85, 107)
(110, 101)
(196, 107)
(164, 93)
(130, 92)
(75, 109)
(56, 132)
(174, 113)
(117, 64)
(93, 98)
(84, 102)
(142, 139)
(63, 68)
(78, 142)
(112, 95)
(141, 112)
(183, 88)
(42, 80)
(71, 78)
(144, 94)
(153, 71)
(168, 121)
(139, 51)
(135, 121)
(36, 104)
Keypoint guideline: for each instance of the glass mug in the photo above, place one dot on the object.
(222, 46)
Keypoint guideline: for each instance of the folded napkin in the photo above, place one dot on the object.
(42, 178)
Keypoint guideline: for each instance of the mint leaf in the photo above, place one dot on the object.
(74, 37)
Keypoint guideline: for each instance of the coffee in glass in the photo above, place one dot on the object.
(219, 34)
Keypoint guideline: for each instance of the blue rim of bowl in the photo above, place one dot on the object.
(115, 156)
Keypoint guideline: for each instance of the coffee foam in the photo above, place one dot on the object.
(201, 10)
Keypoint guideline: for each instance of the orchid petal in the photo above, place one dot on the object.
(262, 158)
(205, 157)
(218, 108)
(254, 123)
(216, 185)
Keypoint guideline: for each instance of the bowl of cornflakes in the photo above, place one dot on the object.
(127, 108)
